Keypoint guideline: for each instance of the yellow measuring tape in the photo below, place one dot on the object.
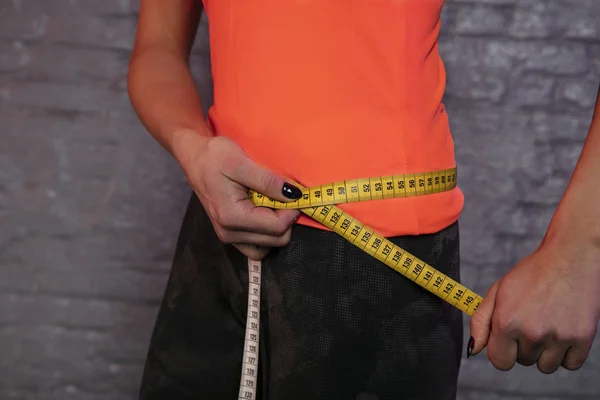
(319, 203)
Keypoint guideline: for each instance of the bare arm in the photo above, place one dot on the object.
(546, 309)
(164, 95)
(577, 217)
(161, 87)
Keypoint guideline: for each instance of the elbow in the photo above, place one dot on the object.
(133, 72)
(137, 64)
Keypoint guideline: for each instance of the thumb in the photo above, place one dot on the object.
(260, 179)
(481, 321)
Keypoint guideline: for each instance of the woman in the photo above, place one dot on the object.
(312, 92)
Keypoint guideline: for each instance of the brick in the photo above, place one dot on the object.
(550, 127)
(548, 193)
(481, 247)
(139, 286)
(535, 167)
(509, 56)
(532, 19)
(581, 92)
(93, 31)
(63, 97)
(594, 58)
(474, 85)
(538, 218)
(72, 312)
(13, 56)
(17, 27)
(480, 276)
(27, 61)
(460, 52)
(566, 155)
(532, 90)
(479, 19)
(526, 245)
(53, 371)
(555, 18)
(586, 28)
(558, 59)
(481, 135)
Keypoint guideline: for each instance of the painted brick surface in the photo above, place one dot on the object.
(90, 206)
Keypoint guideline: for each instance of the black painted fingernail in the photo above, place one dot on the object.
(470, 346)
(291, 191)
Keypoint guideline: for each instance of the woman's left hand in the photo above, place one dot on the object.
(544, 311)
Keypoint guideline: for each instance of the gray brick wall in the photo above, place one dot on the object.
(90, 206)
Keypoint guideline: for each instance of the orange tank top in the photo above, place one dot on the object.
(320, 91)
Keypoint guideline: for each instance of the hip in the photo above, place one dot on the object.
(335, 322)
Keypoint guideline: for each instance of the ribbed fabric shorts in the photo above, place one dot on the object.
(335, 322)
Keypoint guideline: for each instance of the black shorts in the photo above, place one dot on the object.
(335, 322)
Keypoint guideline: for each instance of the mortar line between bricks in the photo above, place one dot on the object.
(79, 329)
(507, 37)
(33, 77)
(59, 113)
(125, 51)
(154, 272)
(84, 46)
(557, 40)
(33, 43)
(75, 296)
(81, 389)
(525, 395)
(57, 82)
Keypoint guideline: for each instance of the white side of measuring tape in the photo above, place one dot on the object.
(248, 384)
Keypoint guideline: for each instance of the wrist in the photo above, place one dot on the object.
(186, 144)
(569, 229)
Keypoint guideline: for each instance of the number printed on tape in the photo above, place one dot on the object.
(251, 346)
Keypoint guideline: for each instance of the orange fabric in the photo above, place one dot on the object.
(326, 90)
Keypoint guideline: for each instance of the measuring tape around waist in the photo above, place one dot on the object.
(319, 203)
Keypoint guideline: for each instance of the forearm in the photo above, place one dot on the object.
(164, 96)
(577, 218)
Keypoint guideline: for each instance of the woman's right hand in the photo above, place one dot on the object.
(220, 174)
